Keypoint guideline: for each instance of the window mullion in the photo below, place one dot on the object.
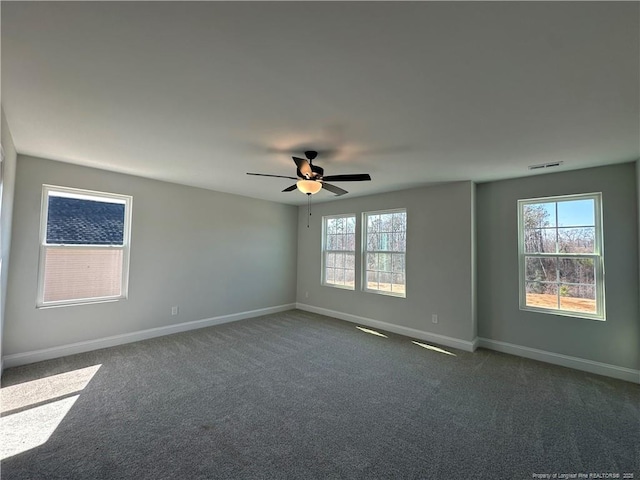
(578, 277)
(73, 269)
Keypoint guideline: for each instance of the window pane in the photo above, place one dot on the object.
(339, 276)
(349, 278)
(351, 224)
(372, 280)
(384, 280)
(350, 261)
(576, 240)
(399, 222)
(372, 261)
(339, 262)
(540, 240)
(385, 241)
(330, 275)
(350, 242)
(341, 224)
(577, 270)
(82, 273)
(541, 269)
(372, 241)
(398, 283)
(399, 242)
(373, 223)
(331, 228)
(575, 213)
(386, 222)
(74, 221)
(384, 262)
(538, 215)
(543, 295)
(330, 259)
(398, 263)
(578, 298)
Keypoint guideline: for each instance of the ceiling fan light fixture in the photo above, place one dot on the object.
(309, 186)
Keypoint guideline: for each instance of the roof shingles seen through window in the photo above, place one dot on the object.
(75, 221)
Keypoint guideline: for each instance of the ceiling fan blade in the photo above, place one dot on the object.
(352, 177)
(333, 189)
(291, 188)
(267, 175)
(303, 166)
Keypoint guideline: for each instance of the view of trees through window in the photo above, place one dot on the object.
(561, 252)
(385, 252)
(339, 251)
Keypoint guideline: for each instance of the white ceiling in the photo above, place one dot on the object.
(413, 93)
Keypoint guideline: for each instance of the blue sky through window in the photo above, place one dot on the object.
(571, 213)
(576, 213)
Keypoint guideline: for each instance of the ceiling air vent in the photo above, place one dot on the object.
(544, 165)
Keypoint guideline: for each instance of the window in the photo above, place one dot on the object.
(560, 250)
(84, 246)
(384, 251)
(338, 251)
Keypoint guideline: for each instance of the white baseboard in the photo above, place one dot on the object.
(590, 366)
(89, 345)
(585, 365)
(390, 327)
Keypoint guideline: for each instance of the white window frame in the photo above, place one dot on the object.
(597, 256)
(44, 215)
(364, 250)
(325, 251)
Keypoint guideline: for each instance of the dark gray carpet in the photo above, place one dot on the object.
(302, 396)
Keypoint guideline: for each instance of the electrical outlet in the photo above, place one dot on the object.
(174, 310)
(434, 318)
(306, 294)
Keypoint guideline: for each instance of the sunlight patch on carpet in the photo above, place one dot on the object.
(432, 348)
(372, 332)
(33, 410)
(31, 428)
(45, 389)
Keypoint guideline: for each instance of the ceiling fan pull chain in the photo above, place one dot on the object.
(308, 207)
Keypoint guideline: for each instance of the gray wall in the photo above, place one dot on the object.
(614, 341)
(439, 260)
(8, 184)
(209, 253)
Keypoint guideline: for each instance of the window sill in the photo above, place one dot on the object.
(564, 313)
(382, 292)
(74, 303)
(341, 287)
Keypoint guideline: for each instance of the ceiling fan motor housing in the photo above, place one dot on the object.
(319, 171)
(311, 177)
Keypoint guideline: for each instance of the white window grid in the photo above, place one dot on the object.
(127, 200)
(338, 251)
(388, 255)
(596, 257)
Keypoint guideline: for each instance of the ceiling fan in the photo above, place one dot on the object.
(311, 177)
